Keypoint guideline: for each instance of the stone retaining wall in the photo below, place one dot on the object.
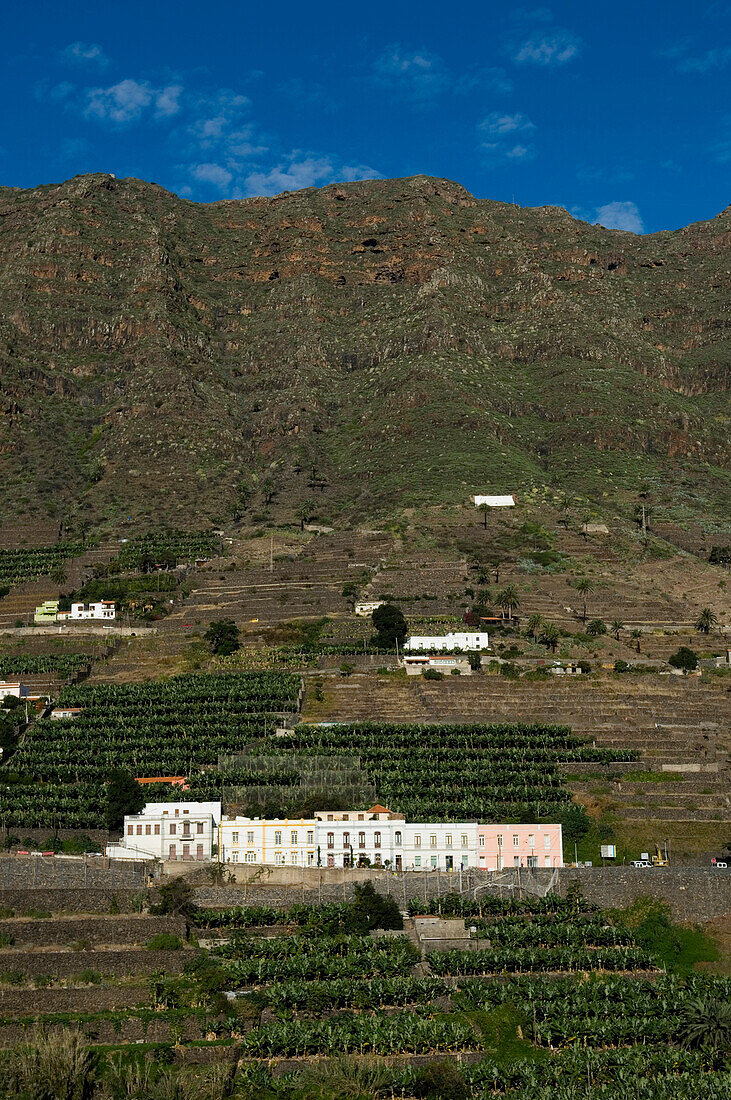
(92, 930)
(64, 964)
(73, 900)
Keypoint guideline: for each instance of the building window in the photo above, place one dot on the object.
(331, 840)
(346, 840)
(346, 817)
(465, 861)
(361, 817)
(516, 840)
(234, 838)
(499, 840)
(546, 841)
(397, 839)
(330, 817)
(417, 841)
(186, 828)
(234, 857)
(199, 851)
(139, 830)
(546, 861)
(310, 836)
(172, 852)
(531, 840)
(310, 859)
(465, 840)
(481, 840)
(278, 837)
(250, 857)
(376, 840)
(449, 840)
(250, 837)
(148, 830)
(278, 859)
(130, 830)
(157, 830)
(432, 841)
(417, 861)
(199, 827)
(433, 861)
(361, 840)
(293, 837)
(516, 861)
(293, 858)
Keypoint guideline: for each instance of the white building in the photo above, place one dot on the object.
(285, 843)
(439, 847)
(494, 502)
(416, 663)
(367, 607)
(467, 640)
(104, 609)
(348, 838)
(9, 687)
(170, 830)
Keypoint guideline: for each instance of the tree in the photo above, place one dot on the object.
(616, 627)
(684, 658)
(58, 574)
(124, 796)
(720, 555)
(707, 1024)
(269, 488)
(305, 511)
(549, 636)
(373, 910)
(535, 622)
(390, 625)
(508, 599)
(175, 897)
(706, 621)
(484, 509)
(584, 586)
(596, 628)
(637, 635)
(223, 637)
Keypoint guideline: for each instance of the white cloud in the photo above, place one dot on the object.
(483, 79)
(216, 114)
(350, 173)
(620, 215)
(707, 62)
(418, 73)
(495, 153)
(290, 177)
(552, 48)
(500, 124)
(85, 53)
(214, 174)
(129, 100)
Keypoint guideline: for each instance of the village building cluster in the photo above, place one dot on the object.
(374, 837)
(48, 612)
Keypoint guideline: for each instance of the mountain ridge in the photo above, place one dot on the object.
(159, 357)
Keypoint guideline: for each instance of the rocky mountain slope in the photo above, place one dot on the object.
(389, 343)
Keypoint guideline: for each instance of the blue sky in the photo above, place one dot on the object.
(619, 112)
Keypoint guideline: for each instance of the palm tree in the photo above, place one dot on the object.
(508, 599)
(58, 574)
(637, 634)
(616, 627)
(549, 636)
(706, 620)
(707, 1024)
(584, 586)
(484, 508)
(304, 511)
(535, 622)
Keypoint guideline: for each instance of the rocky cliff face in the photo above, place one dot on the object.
(396, 339)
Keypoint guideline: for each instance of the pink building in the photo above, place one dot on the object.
(502, 846)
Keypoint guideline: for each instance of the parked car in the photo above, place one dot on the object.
(640, 863)
(719, 864)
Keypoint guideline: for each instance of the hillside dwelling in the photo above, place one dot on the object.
(501, 846)
(10, 687)
(173, 780)
(104, 609)
(46, 613)
(594, 529)
(494, 502)
(66, 712)
(176, 831)
(366, 609)
(461, 640)
(431, 846)
(285, 843)
(416, 663)
(374, 813)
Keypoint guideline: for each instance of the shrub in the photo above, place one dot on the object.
(621, 666)
(440, 1081)
(175, 897)
(684, 658)
(596, 628)
(432, 674)
(6, 940)
(165, 941)
(90, 977)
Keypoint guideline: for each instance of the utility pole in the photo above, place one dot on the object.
(271, 553)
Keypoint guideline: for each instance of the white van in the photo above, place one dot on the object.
(640, 863)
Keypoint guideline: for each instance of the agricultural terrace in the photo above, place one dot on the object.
(168, 547)
(169, 727)
(453, 772)
(59, 665)
(621, 1008)
(23, 565)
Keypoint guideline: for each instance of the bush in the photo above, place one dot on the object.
(440, 1081)
(621, 666)
(6, 940)
(596, 628)
(684, 658)
(175, 897)
(165, 941)
(509, 670)
(223, 637)
(432, 674)
(374, 910)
